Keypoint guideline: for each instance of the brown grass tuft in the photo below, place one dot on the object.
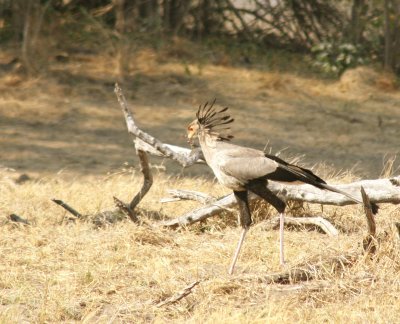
(61, 271)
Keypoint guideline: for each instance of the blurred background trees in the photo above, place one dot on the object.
(339, 34)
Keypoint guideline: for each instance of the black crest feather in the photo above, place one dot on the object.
(210, 119)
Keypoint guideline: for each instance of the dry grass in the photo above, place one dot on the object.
(56, 270)
(69, 120)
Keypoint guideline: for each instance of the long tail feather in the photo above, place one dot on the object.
(374, 206)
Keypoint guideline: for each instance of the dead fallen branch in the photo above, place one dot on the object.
(178, 194)
(370, 241)
(317, 221)
(178, 296)
(129, 210)
(379, 191)
(196, 154)
(147, 179)
(202, 213)
(166, 150)
(397, 225)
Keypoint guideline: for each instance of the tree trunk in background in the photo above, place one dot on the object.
(392, 37)
(174, 12)
(149, 13)
(122, 46)
(396, 36)
(166, 15)
(202, 15)
(33, 13)
(388, 38)
(206, 17)
(359, 10)
(182, 11)
(17, 20)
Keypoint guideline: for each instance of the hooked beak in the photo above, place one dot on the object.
(192, 132)
(190, 139)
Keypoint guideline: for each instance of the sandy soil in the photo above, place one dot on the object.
(69, 119)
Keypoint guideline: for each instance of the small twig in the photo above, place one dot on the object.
(191, 195)
(67, 207)
(369, 242)
(18, 219)
(178, 296)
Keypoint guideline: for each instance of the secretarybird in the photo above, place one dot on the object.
(244, 169)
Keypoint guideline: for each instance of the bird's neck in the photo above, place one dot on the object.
(208, 139)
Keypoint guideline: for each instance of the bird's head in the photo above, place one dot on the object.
(209, 121)
(192, 131)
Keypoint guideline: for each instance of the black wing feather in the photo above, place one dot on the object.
(291, 173)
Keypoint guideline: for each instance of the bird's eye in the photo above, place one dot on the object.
(190, 128)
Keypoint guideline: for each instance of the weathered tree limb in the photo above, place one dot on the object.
(196, 154)
(379, 191)
(397, 225)
(178, 194)
(147, 179)
(166, 150)
(318, 221)
(370, 241)
(147, 183)
(203, 212)
(203, 198)
(147, 143)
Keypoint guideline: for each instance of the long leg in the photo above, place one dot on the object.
(237, 251)
(260, 189)
(244, 221)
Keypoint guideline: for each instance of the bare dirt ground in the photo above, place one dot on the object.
(70, 118)
(66, 131)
